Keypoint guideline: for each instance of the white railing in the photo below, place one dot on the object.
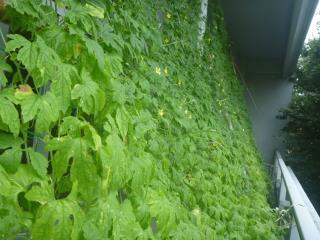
(306, 222)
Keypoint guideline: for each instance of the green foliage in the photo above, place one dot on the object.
(302, 131)
(146, 137)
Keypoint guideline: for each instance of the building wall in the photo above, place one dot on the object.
(265, 97)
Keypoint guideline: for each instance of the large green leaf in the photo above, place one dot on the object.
(7, 187)
(9, 115)
(122, 119)
(96, 50)
(74, 127)
(44, 109)
(11, 157)
(61, 85)
(75, 152)
(114, 159)
(38, 162)
(41, 194)
(56, 220)
(4, 67)
(39, 59)
(143, 123)
(91, 98)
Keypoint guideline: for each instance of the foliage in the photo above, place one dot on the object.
(302, 132)
(146, 138)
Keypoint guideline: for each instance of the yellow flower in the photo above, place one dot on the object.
(161, 112)
(196, 211)
(168, 15)
(158, 71)
(166, 70)
(166, 40)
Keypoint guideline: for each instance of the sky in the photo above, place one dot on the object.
(313, 32)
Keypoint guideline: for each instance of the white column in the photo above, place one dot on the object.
(202, 21)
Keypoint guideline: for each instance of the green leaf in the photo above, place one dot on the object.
(64, 151)
(114, 158)
(9, 115)
(111, 39)
(7, 140)
(122, 122)
(44, 109)
(164, 210)
(28, 52)
(83, 169)
(4, 67)
(144, 123)
(17, 41)
(91, 232)
(56, 220)
(10, 159)
(125, 224)
(119, 92)
(114, 64)
(95, 11)
(42, 194)
(143, 169)
(38, 162)
(61, 86)
(7, 187)
(77, 128)
(88, 94)
(35, 56)
(96, 50)
(32, 8)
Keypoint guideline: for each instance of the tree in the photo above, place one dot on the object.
(302, 132)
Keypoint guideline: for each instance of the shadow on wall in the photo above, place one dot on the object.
(265, 97)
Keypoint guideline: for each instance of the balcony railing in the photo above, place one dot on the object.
(305, 224)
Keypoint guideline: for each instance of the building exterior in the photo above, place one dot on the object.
(266, 39)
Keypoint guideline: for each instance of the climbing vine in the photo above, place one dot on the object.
(114, 125)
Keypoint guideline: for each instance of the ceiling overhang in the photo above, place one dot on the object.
(267, 35)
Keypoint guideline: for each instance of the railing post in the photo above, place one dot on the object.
(303, 225)
(294, 233)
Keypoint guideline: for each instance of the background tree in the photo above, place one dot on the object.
(302, 132)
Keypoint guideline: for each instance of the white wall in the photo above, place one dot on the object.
(268, 96)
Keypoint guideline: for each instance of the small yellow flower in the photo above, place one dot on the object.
(166, 70)
(168, 15)
(196, 211)
(166, 40)
(161, 112)
(158, 71)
